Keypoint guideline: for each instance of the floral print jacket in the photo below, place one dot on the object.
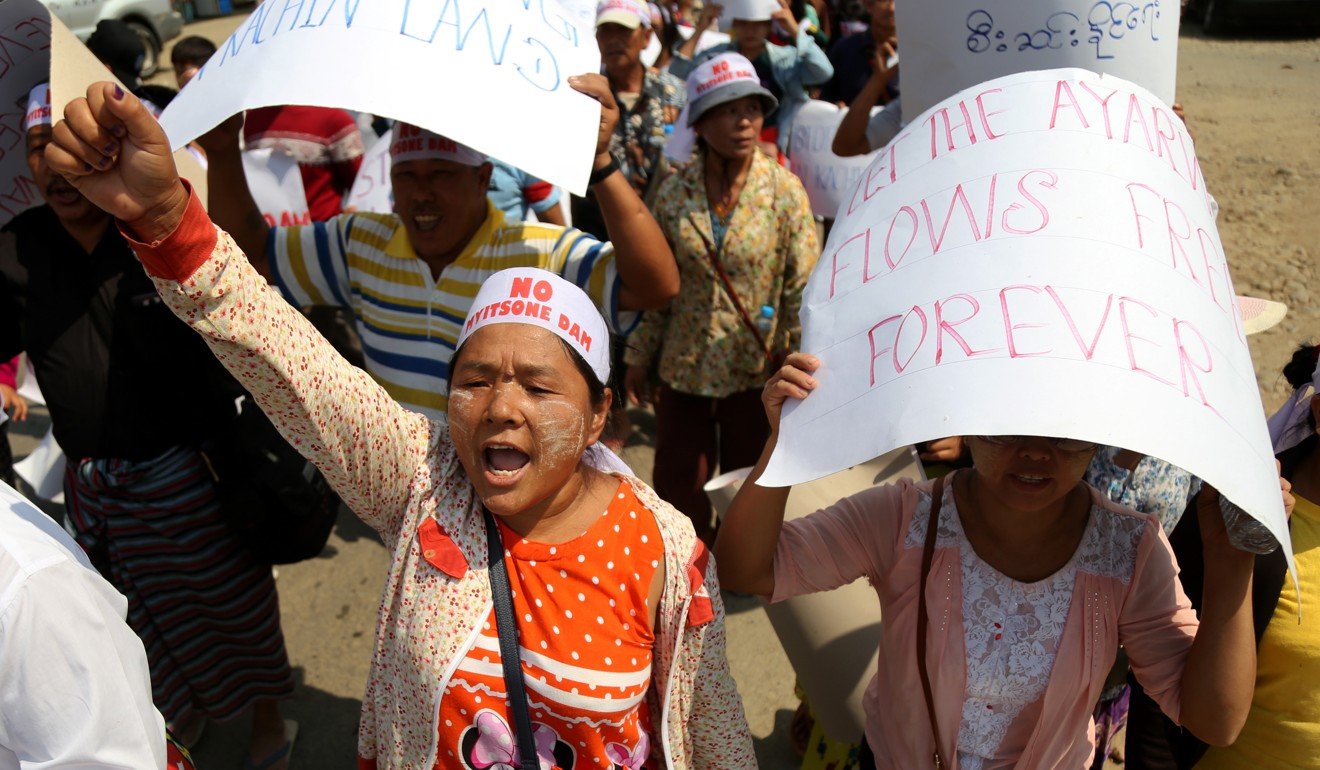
(399, 472)
(703, 344)
(640, 133)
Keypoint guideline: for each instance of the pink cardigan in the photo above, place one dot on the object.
(1130, 595)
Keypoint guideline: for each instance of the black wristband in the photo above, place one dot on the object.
(599, 175)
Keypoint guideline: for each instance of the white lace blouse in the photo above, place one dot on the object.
(1011, 632)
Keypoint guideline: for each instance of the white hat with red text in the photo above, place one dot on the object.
(717, 80)
(38, 107)
(411, 142)
(628, 13)
(528, 295)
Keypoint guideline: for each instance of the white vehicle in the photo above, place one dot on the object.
(155, 21)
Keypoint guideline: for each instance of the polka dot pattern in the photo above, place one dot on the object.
(568, 669)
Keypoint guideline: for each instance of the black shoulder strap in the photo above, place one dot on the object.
(506, 625)
(927, 555)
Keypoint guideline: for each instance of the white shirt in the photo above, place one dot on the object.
(75, 691)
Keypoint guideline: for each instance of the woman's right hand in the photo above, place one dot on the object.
(793, 380)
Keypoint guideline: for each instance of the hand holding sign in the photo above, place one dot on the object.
(113, 150)
(1034, 255)
(792, 381)
(223, 138)
(597, 87)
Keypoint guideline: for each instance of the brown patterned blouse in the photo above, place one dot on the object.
(768, 251)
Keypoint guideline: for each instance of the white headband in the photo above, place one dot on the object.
(527, 295)
(38, 107)
(415, 143)
(1290, 425)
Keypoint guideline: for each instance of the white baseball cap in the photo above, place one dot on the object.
(628, 13)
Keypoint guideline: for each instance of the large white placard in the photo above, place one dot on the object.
(371, 189)
(1036, 255)
(492, 74)
(36, 47)
(277, 187)
(25, 32)
(955, 44)
(827, 177)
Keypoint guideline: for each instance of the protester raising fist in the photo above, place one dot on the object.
(513, 469)
(113, 150)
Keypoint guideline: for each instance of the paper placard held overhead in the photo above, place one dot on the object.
(955, 44)
(25, 26)
(277, 187)
(482, 72)
(707, 41)
(827, 177)
(39, 48)
(1028, 259)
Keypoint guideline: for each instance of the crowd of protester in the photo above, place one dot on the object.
(544, 607)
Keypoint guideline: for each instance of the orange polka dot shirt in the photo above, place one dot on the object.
(584, 627)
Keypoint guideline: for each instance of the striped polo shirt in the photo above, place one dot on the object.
(409, 322)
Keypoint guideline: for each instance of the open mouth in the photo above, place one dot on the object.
(504, 463)
(1031, 481)
(62, 194)
(426, 222)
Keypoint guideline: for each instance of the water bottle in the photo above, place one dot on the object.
(766, 321)
(1244, 532)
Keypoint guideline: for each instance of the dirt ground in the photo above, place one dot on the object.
(1255, 108)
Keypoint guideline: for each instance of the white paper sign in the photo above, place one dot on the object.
(43, 469)
(277, 187)
(708, 39)
(29, 39)
(827, 177)
(483, 72)
(371, 189)
(24, 62)
(1028, 258)
(583, 11)
(955, 44)
(755, 10)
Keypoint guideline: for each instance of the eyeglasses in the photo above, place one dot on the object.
(1062, 444)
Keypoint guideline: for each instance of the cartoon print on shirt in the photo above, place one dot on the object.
(625, 759)
(490, 744)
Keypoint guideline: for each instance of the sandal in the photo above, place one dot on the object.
(282, 753)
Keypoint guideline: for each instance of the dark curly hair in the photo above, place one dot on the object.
(1301, 368)
(1298, 372)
